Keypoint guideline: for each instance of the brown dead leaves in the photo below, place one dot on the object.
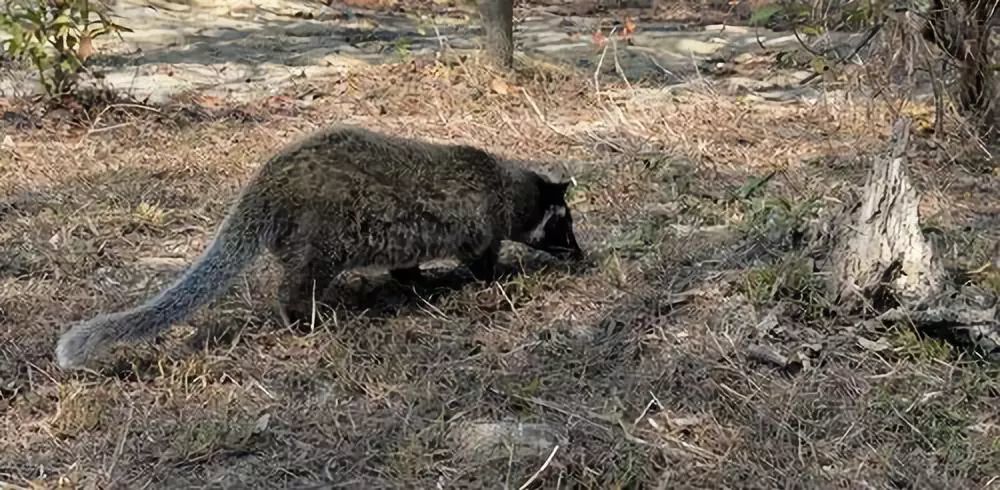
(624, 32)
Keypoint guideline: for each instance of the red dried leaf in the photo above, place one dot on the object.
(629, 27)
(599, 39)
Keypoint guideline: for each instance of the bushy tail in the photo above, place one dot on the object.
(238, 241)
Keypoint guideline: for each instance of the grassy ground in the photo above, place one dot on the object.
(693, 350)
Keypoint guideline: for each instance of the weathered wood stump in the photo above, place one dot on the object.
(883, 257)
(883, 266)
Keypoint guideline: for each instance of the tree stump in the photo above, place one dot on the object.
(883, 265)
(883, 255)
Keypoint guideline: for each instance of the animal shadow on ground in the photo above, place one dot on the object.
(363, 293)
(380, 293)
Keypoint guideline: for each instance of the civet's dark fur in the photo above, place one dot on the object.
(347, 197)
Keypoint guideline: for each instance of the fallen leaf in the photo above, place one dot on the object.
(685, 421)
(207, 101)
(165, 263)
(599, 39)
(629, 28)
(499, 86)
(767, 324)
(874, 346)
(767, 355)
(85, 49)
(262, 423)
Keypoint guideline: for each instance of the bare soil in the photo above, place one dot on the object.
(692, 349)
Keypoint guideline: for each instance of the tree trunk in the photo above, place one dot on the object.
(978, 83)
(498, 22)
(962, 29)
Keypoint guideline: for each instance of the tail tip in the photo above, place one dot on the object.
(71, 350)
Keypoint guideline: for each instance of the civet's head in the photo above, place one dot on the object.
(550, 225)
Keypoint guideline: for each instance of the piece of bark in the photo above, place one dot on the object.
(968, 316)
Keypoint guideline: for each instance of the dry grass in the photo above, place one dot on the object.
(636, 370)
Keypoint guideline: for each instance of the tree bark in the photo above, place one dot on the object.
(498, 22)
(978, 83)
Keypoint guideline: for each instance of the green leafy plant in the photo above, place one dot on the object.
(791, 278)
(773, 218)
(55, 36)
(812, 17)
(782, 12)
(402, 47)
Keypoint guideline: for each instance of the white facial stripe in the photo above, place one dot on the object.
(538, 233)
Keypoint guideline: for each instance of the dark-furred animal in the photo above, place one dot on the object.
(347, 197)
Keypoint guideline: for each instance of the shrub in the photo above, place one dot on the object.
(55, 36)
